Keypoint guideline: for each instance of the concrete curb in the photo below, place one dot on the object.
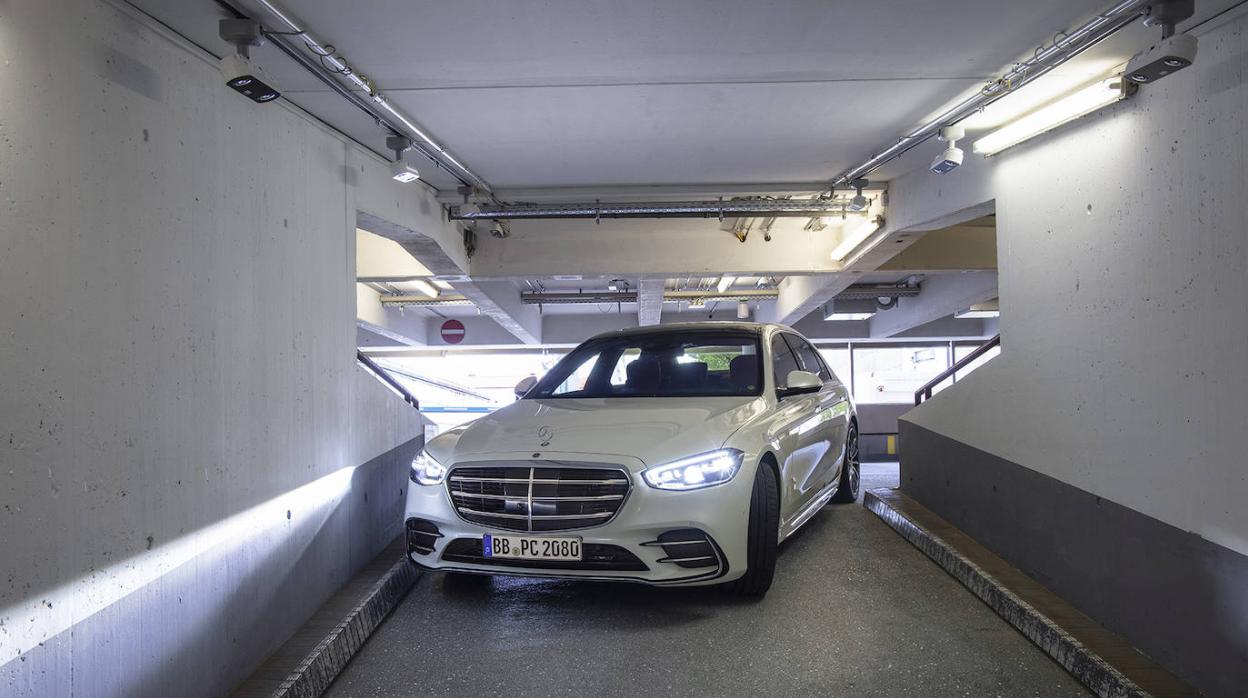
(1097, 674)
(318, 669)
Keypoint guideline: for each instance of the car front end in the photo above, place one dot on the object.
(582, 515)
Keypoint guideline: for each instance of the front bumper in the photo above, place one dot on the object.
(642, 543)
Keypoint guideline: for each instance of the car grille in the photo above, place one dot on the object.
(596, 557)
(537, 497)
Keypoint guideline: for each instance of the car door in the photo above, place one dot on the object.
(797, 430)
(833, 416)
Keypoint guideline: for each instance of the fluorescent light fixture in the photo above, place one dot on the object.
(855, 237)
(725, 283)
(856, 309)
(424, 287)
(980, 310)
(848, 316)
(445, 286)
(1046, 118)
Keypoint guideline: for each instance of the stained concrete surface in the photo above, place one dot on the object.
(854, 609)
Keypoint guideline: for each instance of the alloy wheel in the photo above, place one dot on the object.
(851, 457)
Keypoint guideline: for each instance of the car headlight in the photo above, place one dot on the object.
(704, 470)
(426, 470)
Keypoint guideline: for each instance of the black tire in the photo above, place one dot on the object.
(851, 472)
(763, 532)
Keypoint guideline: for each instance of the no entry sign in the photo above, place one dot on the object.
(452, 332)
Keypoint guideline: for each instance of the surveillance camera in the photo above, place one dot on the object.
(500, 229)
(859, 202)
(948, 160)
(952, 157)
(1165, 57)
(244, 78)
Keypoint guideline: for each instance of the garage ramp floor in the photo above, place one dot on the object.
(855, 609)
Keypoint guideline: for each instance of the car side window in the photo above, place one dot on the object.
(782, 360)
(809, 358)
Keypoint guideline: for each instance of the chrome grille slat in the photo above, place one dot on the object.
(521, 500)
(466, 510)
(597, 498)
(537, 496)
(540, 481)
(552, 517)
(688, 559)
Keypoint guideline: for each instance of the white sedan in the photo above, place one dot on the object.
(671, 455)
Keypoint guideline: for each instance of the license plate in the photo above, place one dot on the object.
(531, 548)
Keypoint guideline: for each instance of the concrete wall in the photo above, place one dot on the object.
(190, 461)
(1122, 275)
(1123, 250)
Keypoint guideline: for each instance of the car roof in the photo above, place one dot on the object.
(752, 327)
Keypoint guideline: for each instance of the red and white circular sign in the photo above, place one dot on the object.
(452, 332)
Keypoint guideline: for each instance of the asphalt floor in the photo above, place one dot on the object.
(854, 609)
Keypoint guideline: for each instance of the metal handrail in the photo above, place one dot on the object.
(385, 377)
(925, 393)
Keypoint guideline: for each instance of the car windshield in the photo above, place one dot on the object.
(663, 364)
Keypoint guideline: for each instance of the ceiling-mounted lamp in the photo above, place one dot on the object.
(725, 283)
(856, 237)
(1065, 109)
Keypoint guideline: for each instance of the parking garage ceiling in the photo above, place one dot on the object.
(652, 92)
(653, 100)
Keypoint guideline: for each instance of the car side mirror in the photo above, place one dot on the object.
(525, 385)
(800, 383)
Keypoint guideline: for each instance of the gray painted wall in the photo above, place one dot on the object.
(186, 443)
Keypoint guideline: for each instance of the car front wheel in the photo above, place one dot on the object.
(762, 535)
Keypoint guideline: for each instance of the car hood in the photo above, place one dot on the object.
(653, 430)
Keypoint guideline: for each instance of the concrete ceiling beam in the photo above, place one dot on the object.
(645, 248)
(942, 296)
(500, 301)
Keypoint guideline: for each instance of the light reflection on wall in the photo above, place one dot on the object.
(261, 528)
